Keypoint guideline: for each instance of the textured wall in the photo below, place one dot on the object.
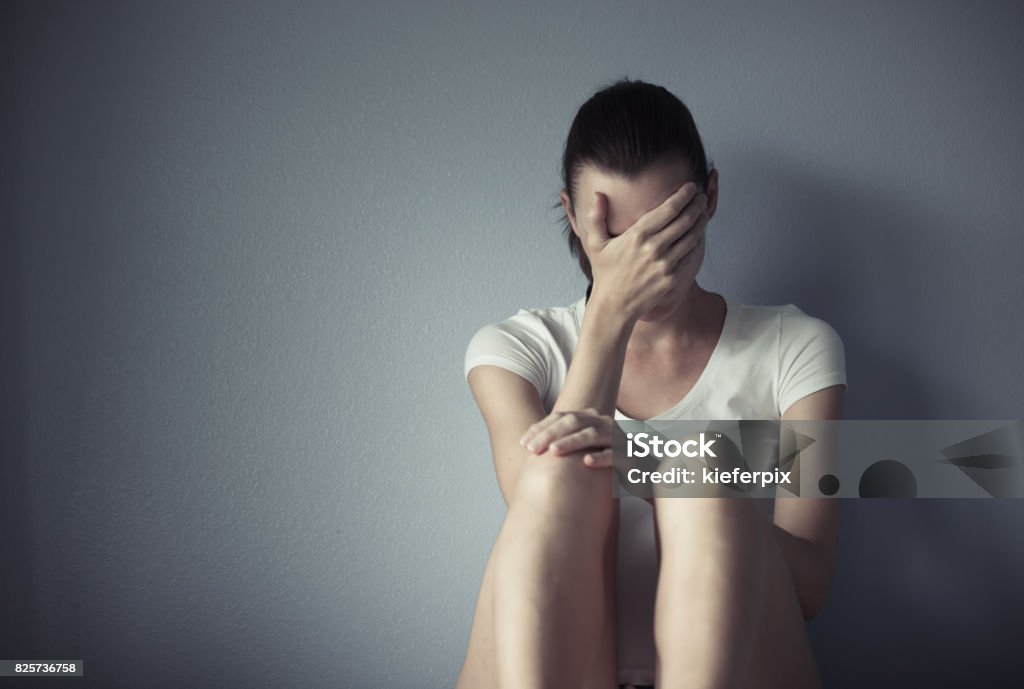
(244, 246)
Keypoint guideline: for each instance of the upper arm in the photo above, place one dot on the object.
(811, 387)
(815, 520)
(811, 358)
(509, 404)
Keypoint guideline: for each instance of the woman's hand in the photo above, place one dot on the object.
(575, 431)
(635, 269)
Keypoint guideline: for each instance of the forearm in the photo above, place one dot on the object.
(596, 369)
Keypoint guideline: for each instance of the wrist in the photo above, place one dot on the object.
(610, 311)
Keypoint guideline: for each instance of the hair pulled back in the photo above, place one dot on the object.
(623, 129)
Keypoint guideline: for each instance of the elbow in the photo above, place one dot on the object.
(813, 594)
(810, 606)
(811, 566)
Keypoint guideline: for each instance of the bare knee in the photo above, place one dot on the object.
(563, 485)
(550, 477)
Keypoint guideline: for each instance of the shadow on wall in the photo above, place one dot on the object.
(927, 592)
(851, 255)
(15, 527)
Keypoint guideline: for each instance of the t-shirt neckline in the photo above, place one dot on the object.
(690, 398)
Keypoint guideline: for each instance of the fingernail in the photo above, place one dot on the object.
(532, 447)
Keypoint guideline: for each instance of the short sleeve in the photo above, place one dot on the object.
(811, 357)
(517, 345)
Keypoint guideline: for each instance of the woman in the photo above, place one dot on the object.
(734, 586)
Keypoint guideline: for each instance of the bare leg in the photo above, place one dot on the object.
(603, 673)
(726, 613)
(543, 613)
(782, 654)
(478, 670)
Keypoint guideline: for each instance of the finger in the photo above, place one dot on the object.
(536, 437)
(597, 218)
(536, 428)
(588, 438)
(655, 220)
(566, 425)
(598, 460)
(680, 225)
(685, 245)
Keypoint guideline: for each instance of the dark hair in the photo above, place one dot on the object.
(623, 129)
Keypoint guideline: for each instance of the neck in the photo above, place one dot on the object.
(692, 318)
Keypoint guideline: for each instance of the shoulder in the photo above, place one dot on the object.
(811, 356)
(798, 330)
(526, 343)
(798, 353)
(529, 326)
(787, 324)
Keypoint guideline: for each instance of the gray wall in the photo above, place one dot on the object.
(244, 246)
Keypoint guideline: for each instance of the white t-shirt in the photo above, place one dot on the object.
(767, 358)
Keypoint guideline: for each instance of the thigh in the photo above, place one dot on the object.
(479, 669)
(604, 670)
(781, 657)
